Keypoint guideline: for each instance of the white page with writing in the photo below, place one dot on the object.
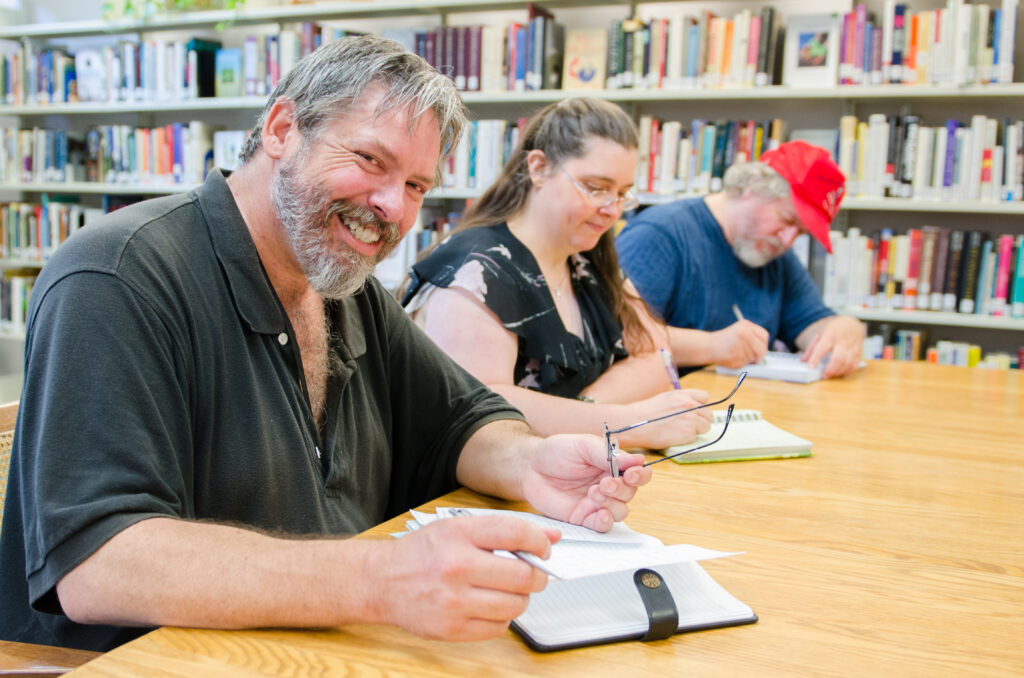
(591, 553)
(619, 534)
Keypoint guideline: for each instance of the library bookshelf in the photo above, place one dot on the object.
(798, 107)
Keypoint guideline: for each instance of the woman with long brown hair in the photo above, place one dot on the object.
(527, 295)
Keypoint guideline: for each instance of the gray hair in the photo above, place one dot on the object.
(756, 177)
(329, 82)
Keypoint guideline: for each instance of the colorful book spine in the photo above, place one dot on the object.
(1017, 298)
(1001, 288)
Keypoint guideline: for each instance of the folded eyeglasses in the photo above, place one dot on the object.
(613, 446)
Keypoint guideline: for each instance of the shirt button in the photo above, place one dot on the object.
(282, 338)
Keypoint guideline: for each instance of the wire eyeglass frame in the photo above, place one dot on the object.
(613, 446)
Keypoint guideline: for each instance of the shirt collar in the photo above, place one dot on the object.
(255, 299)
(254, 296)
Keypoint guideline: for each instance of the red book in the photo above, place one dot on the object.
(914, 239)
(882, 259)
(1004, 248)
(652, 166)
(910, 58)
(662, 27)
(38, 236)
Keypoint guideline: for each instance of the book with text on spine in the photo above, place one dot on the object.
(749, 437)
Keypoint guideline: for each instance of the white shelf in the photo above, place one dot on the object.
(113, 107)
(775, 92)
(913, 205)
(935, 318)
(885, 204)
(7, 264)
(319, 11)
(868, 204)
(98, 188)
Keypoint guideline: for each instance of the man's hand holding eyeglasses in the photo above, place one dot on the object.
(568, 479)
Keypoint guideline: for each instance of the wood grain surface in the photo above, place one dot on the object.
(897, 549)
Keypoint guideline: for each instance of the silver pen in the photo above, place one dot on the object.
(528, 558)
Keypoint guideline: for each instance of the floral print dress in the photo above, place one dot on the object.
(490, 263)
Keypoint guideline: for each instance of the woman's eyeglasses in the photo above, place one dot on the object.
(613, 446)
(602, 198)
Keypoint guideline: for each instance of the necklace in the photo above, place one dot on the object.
(558, 290)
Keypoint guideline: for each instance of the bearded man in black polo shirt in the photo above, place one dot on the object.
(211, 377)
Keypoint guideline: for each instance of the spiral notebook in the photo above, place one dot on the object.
(749, 437)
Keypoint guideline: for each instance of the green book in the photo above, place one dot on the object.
(228, 64)
(749, 437)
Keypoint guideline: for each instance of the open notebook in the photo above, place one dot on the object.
(749, 437)
(591, 597)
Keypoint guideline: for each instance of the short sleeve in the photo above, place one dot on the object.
(104, 440)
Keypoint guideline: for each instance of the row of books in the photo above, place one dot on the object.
(981, 159)
(958, 44)
(15, 289)
(927, 269)
(673, 159)
(263, 60)
(911, 345)
(684, 158)
(481, 153)
(515, 56)
(155, 69)
(178, 153)
(683, 51)
(33, 231)
(899, 156)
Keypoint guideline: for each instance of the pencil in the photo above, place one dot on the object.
(528, 558)
(670, 367)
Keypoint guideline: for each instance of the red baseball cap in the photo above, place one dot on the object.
(816, 184)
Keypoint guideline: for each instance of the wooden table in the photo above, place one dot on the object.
(896, 550)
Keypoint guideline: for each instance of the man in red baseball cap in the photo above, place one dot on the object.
(719, 271)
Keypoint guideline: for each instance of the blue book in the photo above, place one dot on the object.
(179, 150)
(995, 22)
(522, 56)
(693, 52)
(472, 138)
(869, 36)
(898, 39)
(948, 174)
(63, 171)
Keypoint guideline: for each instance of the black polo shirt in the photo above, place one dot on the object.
(163, 378)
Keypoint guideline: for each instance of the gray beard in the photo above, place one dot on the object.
(335, 272)
(746, 251)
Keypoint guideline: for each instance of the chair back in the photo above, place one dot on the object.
(8, 414)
